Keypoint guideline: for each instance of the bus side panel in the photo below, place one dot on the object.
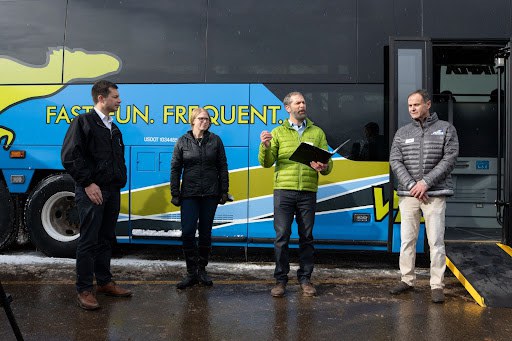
(344, 195)
(153, 216)
(164, 118)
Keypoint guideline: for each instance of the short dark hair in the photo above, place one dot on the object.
(423, 93)
(101, 87)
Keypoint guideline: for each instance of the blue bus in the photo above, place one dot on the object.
(353, 61)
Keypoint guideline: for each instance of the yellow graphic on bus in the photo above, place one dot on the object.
(381, 207)
(20, 81)
(6, 137)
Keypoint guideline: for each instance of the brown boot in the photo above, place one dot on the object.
(87, 301)
(278, 290)
(112, 289)
(308, 289)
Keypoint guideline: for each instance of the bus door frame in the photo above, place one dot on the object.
(507, 155)
(410, 68)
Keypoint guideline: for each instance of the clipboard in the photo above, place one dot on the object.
(305, 153)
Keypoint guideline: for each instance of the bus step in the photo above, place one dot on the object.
(485, 270)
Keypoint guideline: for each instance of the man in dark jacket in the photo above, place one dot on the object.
(93, 154)
(423, 155)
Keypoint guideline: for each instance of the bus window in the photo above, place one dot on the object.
(354, 112)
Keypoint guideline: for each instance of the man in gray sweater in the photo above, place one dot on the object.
(423, 155)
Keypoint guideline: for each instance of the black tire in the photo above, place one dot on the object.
(7, 221)
(51, 216)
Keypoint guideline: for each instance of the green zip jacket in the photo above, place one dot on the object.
(290, 174)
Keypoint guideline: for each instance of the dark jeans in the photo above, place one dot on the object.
(302, 205)
(197, 213)
(97, 232)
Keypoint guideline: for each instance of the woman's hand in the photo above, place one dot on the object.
(223, 198)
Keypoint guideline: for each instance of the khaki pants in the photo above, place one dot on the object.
(434, 214)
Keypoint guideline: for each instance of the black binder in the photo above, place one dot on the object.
(305, 153)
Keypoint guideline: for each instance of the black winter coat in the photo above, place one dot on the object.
(202, 166)
(91, 153)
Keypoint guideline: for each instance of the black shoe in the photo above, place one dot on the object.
(204, 279)
(437, 296)
(189, 281)
(401, 288)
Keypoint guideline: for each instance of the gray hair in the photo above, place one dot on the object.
(288, 98)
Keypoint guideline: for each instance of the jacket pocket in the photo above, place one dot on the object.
(104, 172)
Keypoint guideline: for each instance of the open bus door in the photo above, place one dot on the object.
(463, 78)
(483, 121)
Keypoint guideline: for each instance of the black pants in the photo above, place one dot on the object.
(302, 205)
(97, 232)
(197, 214)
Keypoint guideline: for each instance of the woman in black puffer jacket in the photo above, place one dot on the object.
(199, 160)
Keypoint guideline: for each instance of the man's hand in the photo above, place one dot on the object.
(265, 138)
(176, 201)
(419, 191)
(94, 194)
(318, 166)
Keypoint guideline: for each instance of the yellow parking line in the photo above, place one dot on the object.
(469, 287)
(505, 248)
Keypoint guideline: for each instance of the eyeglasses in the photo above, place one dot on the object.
(203, 118)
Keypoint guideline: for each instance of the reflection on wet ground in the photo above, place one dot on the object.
(352, 303)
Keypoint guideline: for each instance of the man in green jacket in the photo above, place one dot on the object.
(295, 187)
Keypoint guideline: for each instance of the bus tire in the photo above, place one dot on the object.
(51, 216)
(7, 224)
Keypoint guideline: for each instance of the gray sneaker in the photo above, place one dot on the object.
(400, 288)
(278, 290)
(437, 296)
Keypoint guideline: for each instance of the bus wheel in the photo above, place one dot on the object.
(6, 217)
(52, 217)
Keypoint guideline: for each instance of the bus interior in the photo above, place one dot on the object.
(468, 91)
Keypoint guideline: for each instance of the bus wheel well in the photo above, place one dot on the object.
(41, 174)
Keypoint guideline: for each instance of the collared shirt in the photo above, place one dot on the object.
(299, 129)
(107, 120)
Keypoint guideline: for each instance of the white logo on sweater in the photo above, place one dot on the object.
(438, 132)
(409, 140)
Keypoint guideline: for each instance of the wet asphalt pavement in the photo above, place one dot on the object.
(353, 302)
